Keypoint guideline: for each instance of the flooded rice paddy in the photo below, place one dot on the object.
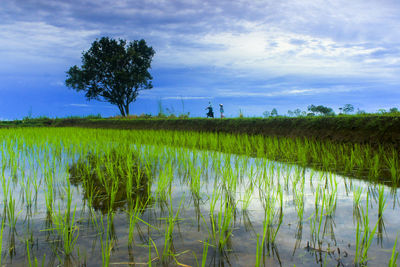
(75, 197)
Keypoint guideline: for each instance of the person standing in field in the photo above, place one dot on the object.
(210, 112)
(221, 110)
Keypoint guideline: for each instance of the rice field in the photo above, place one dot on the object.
(95, 197)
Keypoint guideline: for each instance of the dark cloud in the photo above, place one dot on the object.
(194, 16)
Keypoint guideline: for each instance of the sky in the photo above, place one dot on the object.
(250, 55)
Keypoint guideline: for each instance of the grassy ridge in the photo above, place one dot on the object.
(372, 129)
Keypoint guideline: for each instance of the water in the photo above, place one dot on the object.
(247, 186)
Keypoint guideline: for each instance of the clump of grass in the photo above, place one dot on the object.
(381, 201)
(273, 216)
(65, 225)
(363, 241)
(11, 212)
(247, 197)
(392, 161)
(134, 211)
(111, 179)
(169, 229)
(357, 196)
(299, 201)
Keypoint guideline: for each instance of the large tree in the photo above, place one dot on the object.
(113, 71)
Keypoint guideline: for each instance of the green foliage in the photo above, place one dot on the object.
(322, 110)
(347, 109)
(266, 114)
(113, 71)
(241, 113)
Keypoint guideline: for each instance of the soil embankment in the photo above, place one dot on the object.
(374, 130)
(371, 129)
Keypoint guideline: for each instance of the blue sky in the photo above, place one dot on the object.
(250, 55)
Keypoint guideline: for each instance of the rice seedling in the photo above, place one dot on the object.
(169, 228)
(6, 188)
(206, 244)
(65, 225)
(152, 244)
(247, 196)
(12, 216)
(363, 241)
(392, 161)
(395, 254)
(258, 251)
(299, 201)
(272, 216)
(106, 241)
(224, 220)
(134, 215)
(1, 238)
(195, 180)
(317, 218)
(35, 260)
(357, 196)
(330, 197)
(381, 201)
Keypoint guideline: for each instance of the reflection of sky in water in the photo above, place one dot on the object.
(192, 228)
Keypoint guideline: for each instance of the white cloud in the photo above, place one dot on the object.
(267, 51)
(288, 92)
(39, 41)
(78, 105)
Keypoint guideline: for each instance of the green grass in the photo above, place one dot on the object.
(371, 128)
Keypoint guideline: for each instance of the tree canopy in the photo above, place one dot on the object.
(113, 71)
(347, 108)
(321, 110)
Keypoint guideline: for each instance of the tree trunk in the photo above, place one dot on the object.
(121, 109)
(127, 109)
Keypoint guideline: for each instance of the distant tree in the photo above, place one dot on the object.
(360, 112)
(274, 112)
(322, 110)
(381, 111)
(113, 71)
(297, 112)
(347, 108)
(394, 110)
(290, 113)
(266, 114)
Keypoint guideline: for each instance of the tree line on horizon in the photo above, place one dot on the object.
(320, 110)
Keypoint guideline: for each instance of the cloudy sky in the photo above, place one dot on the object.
(251, 55)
